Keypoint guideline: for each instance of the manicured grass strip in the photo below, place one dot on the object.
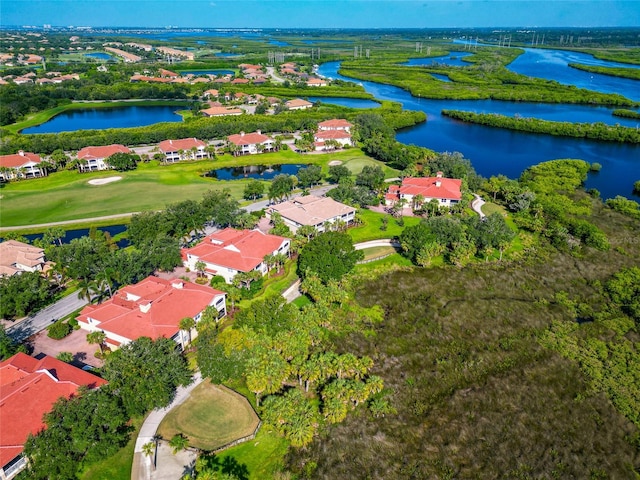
(372, 221)
(211, 417)
(377, 252)
(66, 195)
(118, 466)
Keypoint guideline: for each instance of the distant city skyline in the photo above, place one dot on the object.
(322, 13)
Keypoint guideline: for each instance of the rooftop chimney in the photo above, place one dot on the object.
(439, 175)
(242, 134)
(438, 183)
(21, 153)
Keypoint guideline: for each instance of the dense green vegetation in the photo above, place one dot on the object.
(202, 128)
(486, 78)
(596, 131)
(621, 112)
(470, 358)
(632, 73)
(94, 425)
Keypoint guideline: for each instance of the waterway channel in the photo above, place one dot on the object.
(496, 151)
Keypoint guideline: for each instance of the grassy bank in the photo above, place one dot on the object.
(632, 73)
(46, 115)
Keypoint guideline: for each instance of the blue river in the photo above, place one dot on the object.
(496, 151)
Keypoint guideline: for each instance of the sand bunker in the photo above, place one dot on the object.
(335, 162)
(104, 181)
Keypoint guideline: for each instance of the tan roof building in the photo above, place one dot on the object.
(17, 257)
(221, 111)
(312, 211)
(298, 104)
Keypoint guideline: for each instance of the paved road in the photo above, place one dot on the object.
(33, 324)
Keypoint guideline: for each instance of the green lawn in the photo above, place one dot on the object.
(118, 466)
(376, 252)
(211, 417)
(372, 221)
(67, 195)
(263, 456)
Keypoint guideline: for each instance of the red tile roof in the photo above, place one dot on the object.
(221, 111)
(248, 138)
(182, 144)
(241, 250)
(168, 301)
(335, 124)
(88, 153)
(429, 187)
(19, 159)
(28, 389)
(331, 135)
(298, 102)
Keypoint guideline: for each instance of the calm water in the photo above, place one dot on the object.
(259, 172)
(346, 101)
(99, 56)
(499, 151)
(442, 78)
(227, 55)
(454, 59)
(553, 65)
(207, 72)
(101, 118)
(113, 230)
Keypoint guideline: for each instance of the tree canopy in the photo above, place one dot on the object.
(330, 255)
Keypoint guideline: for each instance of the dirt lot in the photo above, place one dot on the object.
(76, 343)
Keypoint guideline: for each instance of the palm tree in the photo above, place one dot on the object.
(97, 337)
(269, 260)
(186, 324)
(200, 267)
(178, 442)
(149, 450)
(279, 259)
(234, 295)
(86, 289)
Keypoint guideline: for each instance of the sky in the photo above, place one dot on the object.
(321, 13)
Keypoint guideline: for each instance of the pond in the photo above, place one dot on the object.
(218, 72)
(259, 172)
(102, 118)
(99, 56)
(112, 230)
(346, 101)
(227, 55)
(442, 78)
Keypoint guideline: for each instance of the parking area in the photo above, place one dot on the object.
(76, 343)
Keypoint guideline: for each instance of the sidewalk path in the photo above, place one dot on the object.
(477, 204)
(141, 469)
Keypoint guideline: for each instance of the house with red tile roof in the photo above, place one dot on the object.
(93, 158)
(335, 124)
(316, 212)
(229, 252)
(211, 93)
(298, 104)
(330, 139)
(168, 73)
(221, 112)
(250, 143)
(28, 389)
(151, 308)
(239, 81)
(21, 165)
(17, 257)
(184, 149)
(445, 190)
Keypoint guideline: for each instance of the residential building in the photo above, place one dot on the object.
(335, 124)
(329, 139)
(21, 165)
(184, 149)
(229, 252)
(151, 308)
(317, 212)
(174, 52)
(298, 104)
(445, 190)
(93, 158)
(221, 111)
(126, 56)
(17, 257)
(316, 82)
(28, 389)
(251, 143)
(167, 73)
(211, 93)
